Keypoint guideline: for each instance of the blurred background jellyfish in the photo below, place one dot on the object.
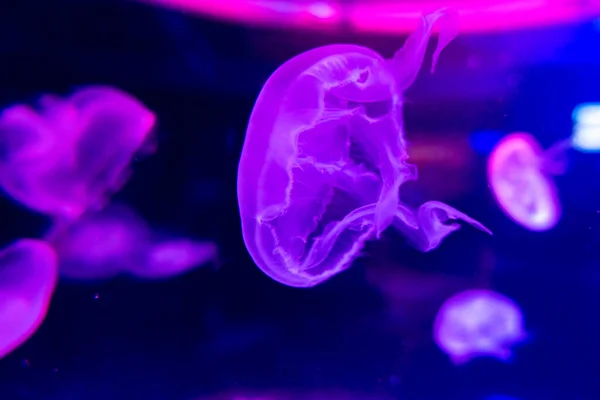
(28, 275)
(116, 240)
(102, 245)
(477, 323)
(173, 257)
(70, 155)
(520, 177)
(325, 156)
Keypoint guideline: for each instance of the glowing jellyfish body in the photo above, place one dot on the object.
(324, 159)
(117, 241)
(73, 153)
(519, 177)
(477, 323)
(28, 275)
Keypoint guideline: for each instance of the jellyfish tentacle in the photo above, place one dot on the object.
(434, 218)
(428, 227)
(359, 219)
(554, 161)
(408, 59)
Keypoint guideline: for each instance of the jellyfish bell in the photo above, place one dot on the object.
(30, 146)
(110, 106)
(520, 178)
(477, 323)
(23, 135)
(115, 128)
(28, 275)
(75, 153)
(324, 158)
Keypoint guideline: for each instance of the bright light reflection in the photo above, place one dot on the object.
(387, 16)
(586, 127)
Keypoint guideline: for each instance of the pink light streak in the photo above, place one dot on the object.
(387, 16)
(313, 14)
(474, 16)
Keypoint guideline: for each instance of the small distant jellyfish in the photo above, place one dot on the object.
(520, 177)
(28, 275)
(477, 323)
(325, 157)
(70, 155)
(117, 241)
(172, 257)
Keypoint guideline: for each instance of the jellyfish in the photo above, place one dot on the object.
(116, 240)
(28, 275)
(477, 323)
(70, 155)
(325, 156)
(520, 177)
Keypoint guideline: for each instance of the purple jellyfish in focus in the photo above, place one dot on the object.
(519, 176)
(74, 153)
(28, 275)
(325, 156)
(117, 241)
(478, 323)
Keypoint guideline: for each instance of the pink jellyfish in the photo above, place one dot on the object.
(325, 156)
(28, 275)
(73, 153)
(116, 241)
(519, 174)
(477, 323)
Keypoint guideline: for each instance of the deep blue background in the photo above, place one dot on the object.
(231, 327)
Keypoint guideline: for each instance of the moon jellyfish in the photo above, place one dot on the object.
(325, 156)
(28, 275)
(477, 323)
(519, 174)
(116, 241)
(70, 155)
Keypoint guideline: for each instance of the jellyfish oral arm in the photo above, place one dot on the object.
(407, 61)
